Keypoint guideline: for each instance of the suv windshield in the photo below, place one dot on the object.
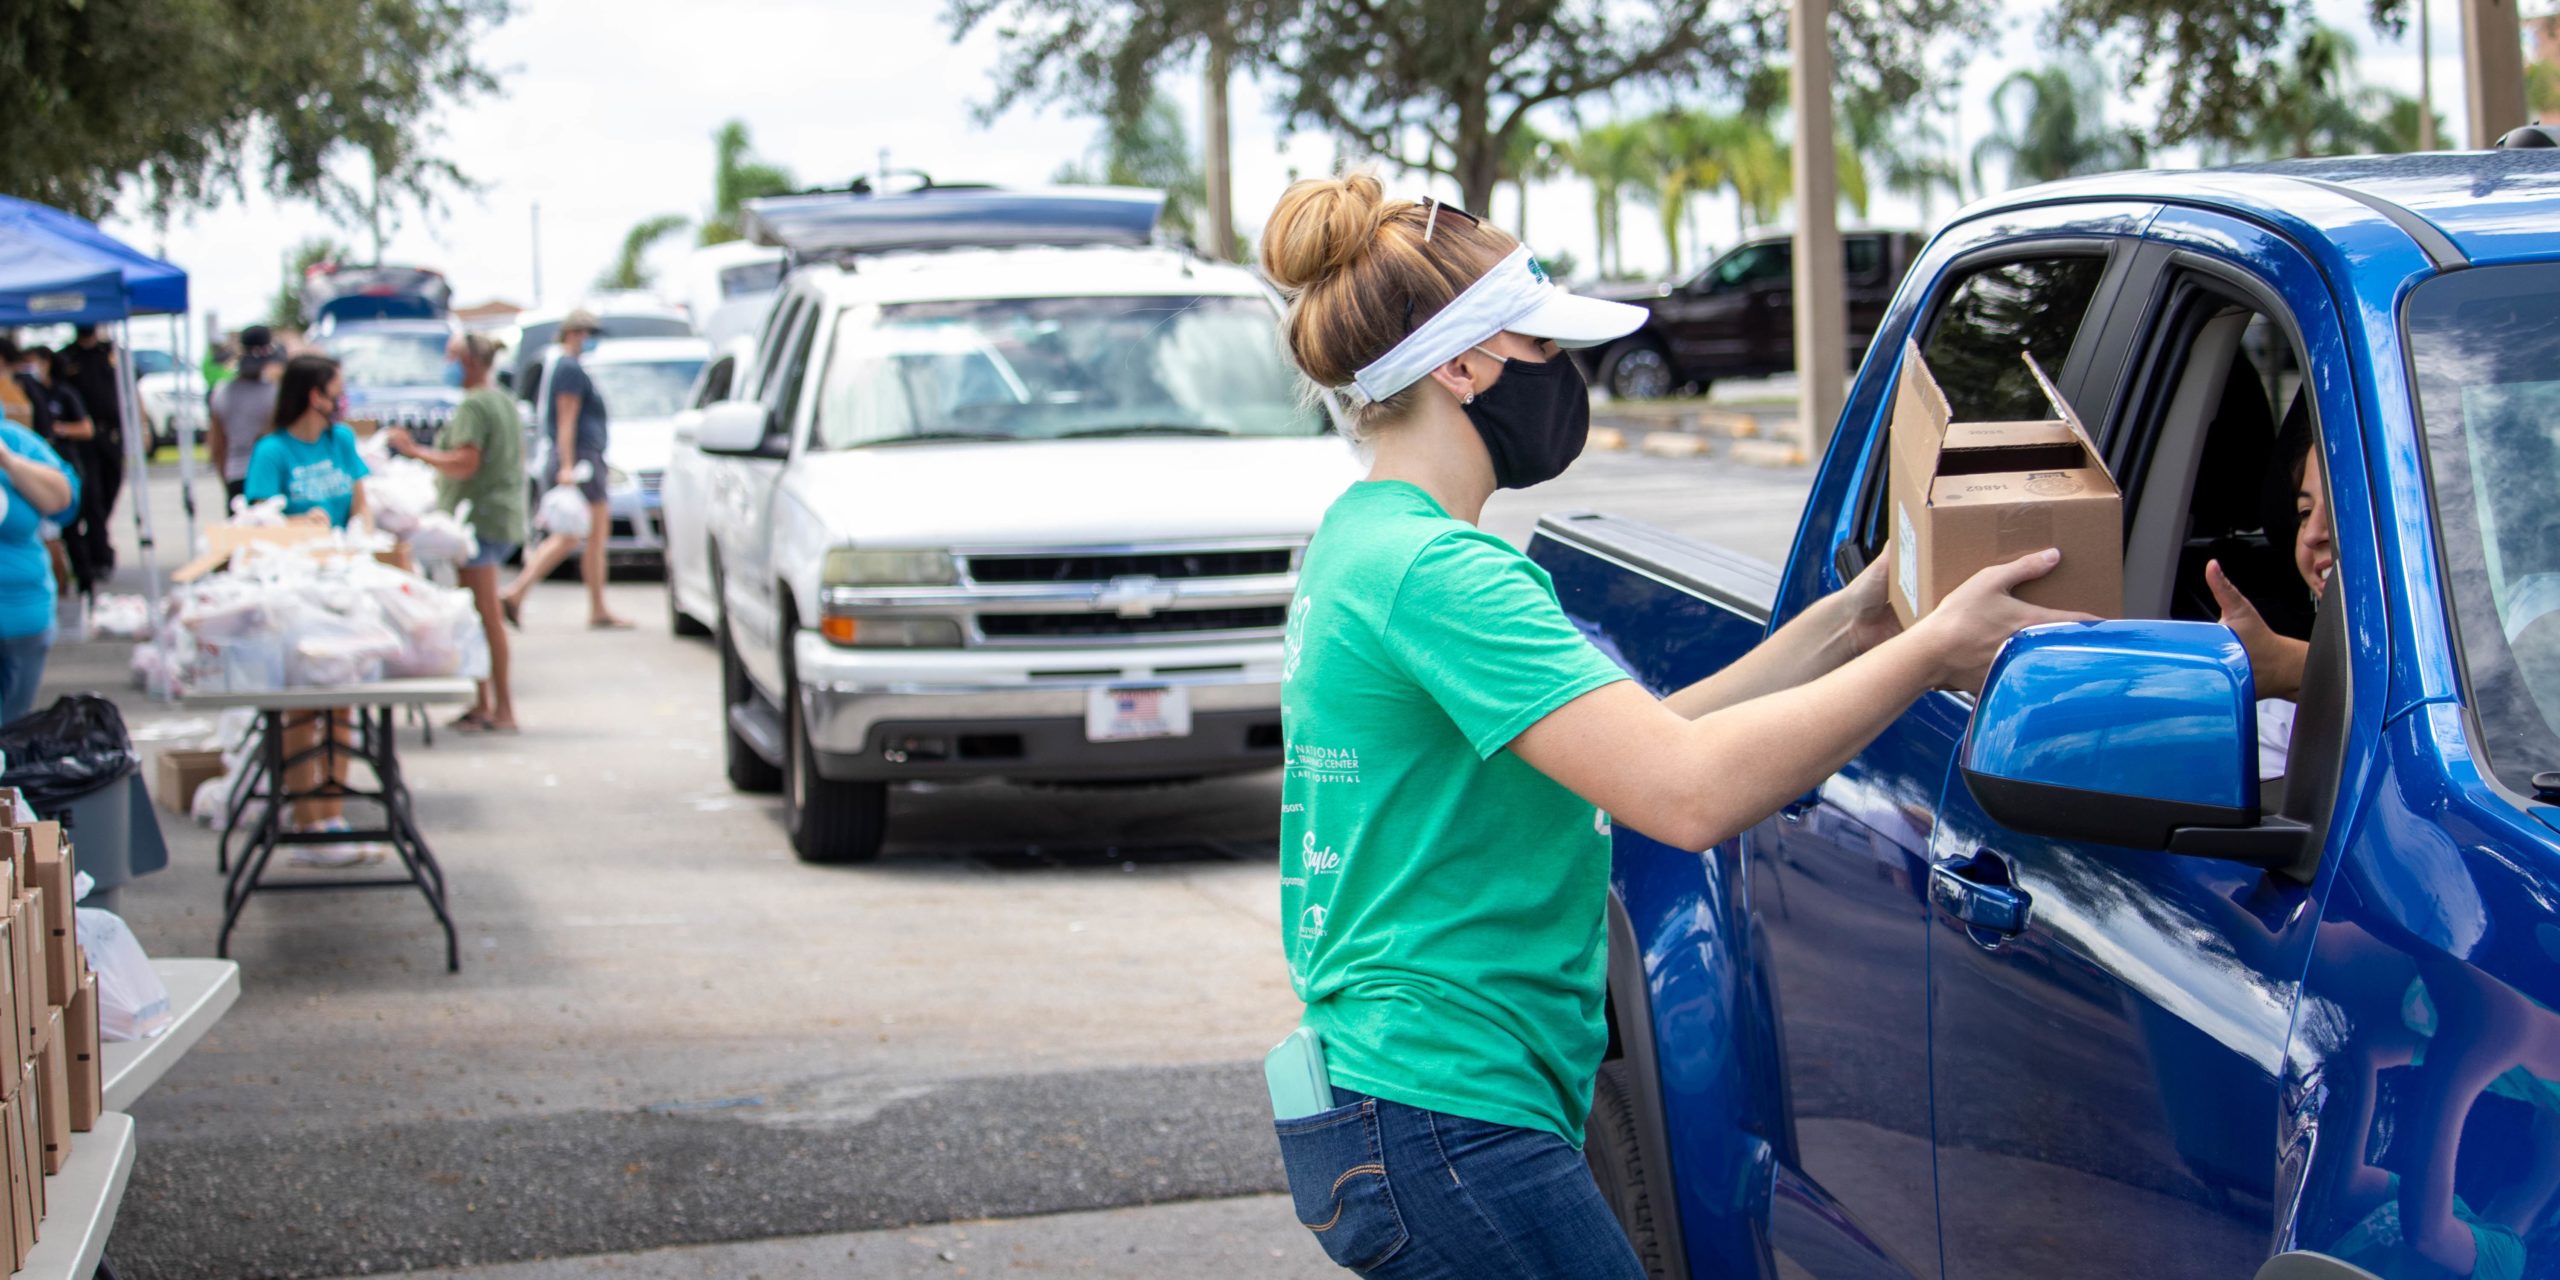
(378, 358)
(1049, 368)
(644, 388)
(2485, 349)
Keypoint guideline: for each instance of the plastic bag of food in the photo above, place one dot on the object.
(441, 538)
(563, 510)
(133, 1004)
(400, 492)
(258, 515)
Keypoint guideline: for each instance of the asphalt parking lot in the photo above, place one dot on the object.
(669, 1034)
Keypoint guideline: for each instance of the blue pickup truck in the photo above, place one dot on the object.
(2058, 981)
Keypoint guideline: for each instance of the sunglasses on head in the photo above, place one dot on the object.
(1431, 220)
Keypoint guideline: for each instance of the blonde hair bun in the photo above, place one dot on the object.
(1321, 227)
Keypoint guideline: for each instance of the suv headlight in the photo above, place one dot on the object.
(846, 567)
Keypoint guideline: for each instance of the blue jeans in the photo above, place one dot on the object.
(21, 670)
(1398, 1193)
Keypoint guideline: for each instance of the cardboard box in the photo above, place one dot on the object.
(222, 540)
(1969, 495)
(31, 1095)
(35, 1001)
(23, 1179)
(88, 1066)
(53, 867)
(179, 774)
(10, 1034)
(53, 1123)
(26, 955)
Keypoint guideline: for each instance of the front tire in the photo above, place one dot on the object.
(1639, 370)
(1616, 1155)
(832, 822)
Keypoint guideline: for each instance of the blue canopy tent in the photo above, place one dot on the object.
(58, 269)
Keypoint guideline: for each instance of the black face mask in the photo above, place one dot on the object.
(1534, 420)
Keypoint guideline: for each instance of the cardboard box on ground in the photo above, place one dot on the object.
(1969, 495)
(181, 770)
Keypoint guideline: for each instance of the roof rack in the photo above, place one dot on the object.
(824, 225)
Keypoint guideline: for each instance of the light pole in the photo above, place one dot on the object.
(1822, 322)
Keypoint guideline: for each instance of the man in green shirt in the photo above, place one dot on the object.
(479, 462)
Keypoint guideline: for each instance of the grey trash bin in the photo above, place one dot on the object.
(116, 835)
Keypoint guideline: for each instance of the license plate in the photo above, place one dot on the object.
(1128, 715)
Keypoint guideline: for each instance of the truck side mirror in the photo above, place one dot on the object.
(734, 427)
(2137, 733)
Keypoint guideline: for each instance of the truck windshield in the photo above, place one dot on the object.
(1052, 368)
(2485, 348)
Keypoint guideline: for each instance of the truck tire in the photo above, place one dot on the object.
(1616, 1158)
(748, 771)
(1639, 370)
(832, 822)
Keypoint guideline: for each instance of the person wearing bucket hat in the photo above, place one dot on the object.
(578, 419)
(1456, 752)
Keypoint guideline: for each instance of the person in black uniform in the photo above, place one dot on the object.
(91, 365)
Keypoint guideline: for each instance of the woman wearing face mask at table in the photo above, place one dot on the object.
(1453, 744)
(310, 461)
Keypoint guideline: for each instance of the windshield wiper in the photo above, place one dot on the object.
(1144, 429)
(933, 437)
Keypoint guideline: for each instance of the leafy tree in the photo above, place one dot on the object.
(2312, 105)
(2542, 89)
(630, 269)
(1151, 150)
(1907, 152)
(1441, 86)
(2208, 61)
(193, 100)
(736, 178)
(284, 310)
(2050, 123)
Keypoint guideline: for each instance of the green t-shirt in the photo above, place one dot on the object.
(487, 418)
(1444, 906)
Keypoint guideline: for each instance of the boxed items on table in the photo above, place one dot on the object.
(51, 1086)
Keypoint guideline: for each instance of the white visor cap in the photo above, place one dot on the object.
(1515, 296)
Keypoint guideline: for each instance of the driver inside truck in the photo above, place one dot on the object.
(2298, 499)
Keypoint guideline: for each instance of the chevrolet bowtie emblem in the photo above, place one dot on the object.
(1138, 596)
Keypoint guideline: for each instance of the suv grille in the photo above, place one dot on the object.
(1070, 626)
(1154, 564)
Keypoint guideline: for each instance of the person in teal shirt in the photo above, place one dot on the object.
(1456, 752)
(310, 459)
(39, 487)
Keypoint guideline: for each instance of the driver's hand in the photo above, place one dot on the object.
(2275, 660)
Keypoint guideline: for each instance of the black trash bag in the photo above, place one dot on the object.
(66, 751)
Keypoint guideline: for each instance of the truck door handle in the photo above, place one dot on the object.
(1977, 891)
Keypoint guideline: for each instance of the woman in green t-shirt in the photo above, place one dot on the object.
(1455, 751)
(479, 461)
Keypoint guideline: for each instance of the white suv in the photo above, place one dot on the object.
(1030, 512)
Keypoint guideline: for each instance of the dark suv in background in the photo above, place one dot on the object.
(1737, 317)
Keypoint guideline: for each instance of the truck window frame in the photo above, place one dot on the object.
(2102, 332)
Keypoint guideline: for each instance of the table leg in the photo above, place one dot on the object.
(262, 842)
(408, 841)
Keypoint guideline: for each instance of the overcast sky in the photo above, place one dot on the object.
(607, 107)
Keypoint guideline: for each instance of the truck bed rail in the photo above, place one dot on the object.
(1746, 585)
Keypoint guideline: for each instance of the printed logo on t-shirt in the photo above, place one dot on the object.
(1319, 862)
(1323, 764)
(318, 484)
(1311, 923)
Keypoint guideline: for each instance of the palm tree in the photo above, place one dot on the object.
(1528, 156)
(1676, 150)
(2059, 131)
(629, 269)
(1150, 150)
(1909, 152)
(2312, 105)
(1610, 158)
(736, 179)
